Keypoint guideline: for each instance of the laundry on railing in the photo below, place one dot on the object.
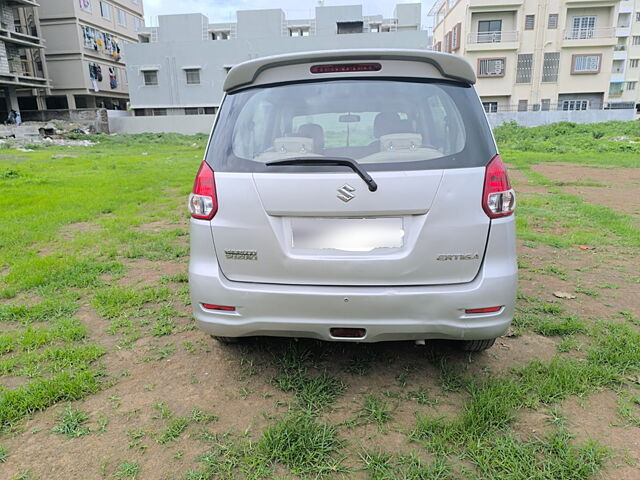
(113, 77)
(101, 42)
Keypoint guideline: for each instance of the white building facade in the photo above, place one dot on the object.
(569, 55)
(182, 63)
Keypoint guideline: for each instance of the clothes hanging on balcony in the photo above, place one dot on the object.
(95, 74)
(113, 78)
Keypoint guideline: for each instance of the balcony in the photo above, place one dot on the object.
(590, 37)
(626, 6)
(502, 4)
(623, 31)
(617, 77)
(23, 73)
(619, 53)
(20, 38)
(616, 89)
(23, 3)
(505, 40)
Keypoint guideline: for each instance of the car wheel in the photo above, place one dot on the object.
(477, 345)
(227, 340)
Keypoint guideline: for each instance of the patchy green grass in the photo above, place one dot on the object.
(72, 423)
(313, 392)
(375, 410)
(385, 466)
(59, 263)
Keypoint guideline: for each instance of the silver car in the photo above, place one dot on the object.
(353, 195)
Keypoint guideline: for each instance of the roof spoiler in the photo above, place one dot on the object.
(450, 66)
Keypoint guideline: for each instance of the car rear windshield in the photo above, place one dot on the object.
(383, 124)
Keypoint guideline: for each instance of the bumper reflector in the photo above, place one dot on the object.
(348, 332)
(483, 310)
(224, 308)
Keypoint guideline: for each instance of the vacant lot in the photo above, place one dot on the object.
(102, 374)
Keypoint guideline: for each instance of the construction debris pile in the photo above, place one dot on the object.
(43, 134)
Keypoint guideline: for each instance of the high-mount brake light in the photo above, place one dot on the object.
(498, 198)
(346, 68)
(203, 202)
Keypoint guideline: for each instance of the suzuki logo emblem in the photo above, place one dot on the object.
(345, 193)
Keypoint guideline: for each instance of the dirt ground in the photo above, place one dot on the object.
(619, 188)
(233, 382)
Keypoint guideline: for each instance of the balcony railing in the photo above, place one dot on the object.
(492, 37)
(586, 33)
(619, 48)
(22, 67)
(616, 89)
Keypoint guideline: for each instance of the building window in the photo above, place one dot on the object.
(374, 27)
(585, 63)
(193, 76)
(210, 110)
(582, 27)
(191, 111)
(637, 16)
(221, 35)
(447, 42)
(105, 10)
(545, 104)
(491, 67)
(550, 66)
(633, 63)
(523, 105)
(631, 85)
(455, 37)
(122, 17)
(299, 31)
(350, 27)
(636, 40)
(553, 21)
(438, 47)
(524, 68)
(150, 78)
(575, 104)
(489, 31)
(137, 23)
(529, 22)
(490, 107)
(159, 112)
(85, 5)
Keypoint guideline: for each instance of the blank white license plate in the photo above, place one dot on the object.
(348, 234)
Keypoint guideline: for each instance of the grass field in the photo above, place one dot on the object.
(103, 375)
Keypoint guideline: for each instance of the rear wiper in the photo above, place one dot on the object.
(321, 161)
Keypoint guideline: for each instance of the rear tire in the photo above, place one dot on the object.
(477, 345)
(227, 340)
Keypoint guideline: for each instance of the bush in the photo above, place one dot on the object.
(569, 137)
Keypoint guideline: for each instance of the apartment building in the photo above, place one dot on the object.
(23, 71)
(181, 65)
(532, 55)
(86, 41)
(624, 88)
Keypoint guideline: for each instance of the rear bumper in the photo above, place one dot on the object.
(387, 313)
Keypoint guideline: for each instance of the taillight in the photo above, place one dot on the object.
(203, 202)
(498, 198)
